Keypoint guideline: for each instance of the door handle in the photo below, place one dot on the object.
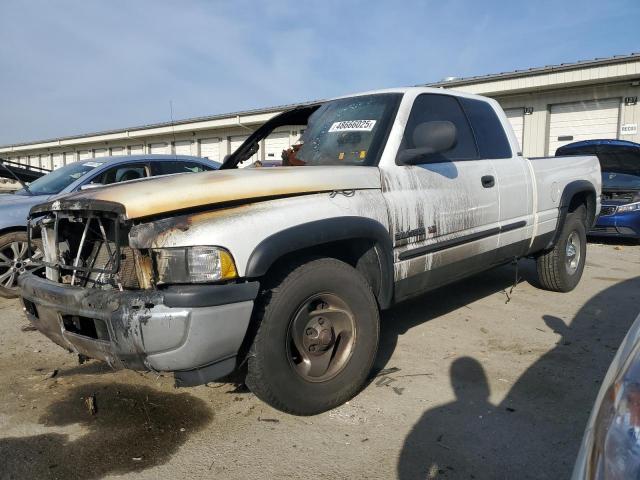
(488, 181)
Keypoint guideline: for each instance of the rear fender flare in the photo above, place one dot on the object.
(570, 191)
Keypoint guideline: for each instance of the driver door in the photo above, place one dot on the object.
(444, 212)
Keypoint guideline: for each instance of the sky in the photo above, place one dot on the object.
(76, 66)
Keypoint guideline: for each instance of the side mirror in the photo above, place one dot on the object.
(91, 186)
(429, 138)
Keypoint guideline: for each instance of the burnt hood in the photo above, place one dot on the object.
(173, 193)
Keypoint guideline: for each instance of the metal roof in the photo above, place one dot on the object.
(596, 62)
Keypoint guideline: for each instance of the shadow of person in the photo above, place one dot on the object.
(535, 431)
(451, 440)
(134, 428)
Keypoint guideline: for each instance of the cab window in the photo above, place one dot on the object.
(430, 107)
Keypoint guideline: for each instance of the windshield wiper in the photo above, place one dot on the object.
(24, 185)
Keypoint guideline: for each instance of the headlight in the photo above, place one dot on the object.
(193, 265)
(615, 452)
(631, 207)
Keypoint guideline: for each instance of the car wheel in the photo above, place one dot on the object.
(561, 268)
(316, 338)
(14, 261)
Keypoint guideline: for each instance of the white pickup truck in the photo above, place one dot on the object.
(283, 271)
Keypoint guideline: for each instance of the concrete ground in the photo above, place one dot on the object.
(467, 385)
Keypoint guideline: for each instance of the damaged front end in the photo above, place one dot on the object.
(101, 298)
(89, 248)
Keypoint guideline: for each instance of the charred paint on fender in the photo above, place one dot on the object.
(241, 228)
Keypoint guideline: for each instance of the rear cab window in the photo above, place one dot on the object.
(490, 136)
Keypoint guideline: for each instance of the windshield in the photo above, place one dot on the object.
(349, 131)
(622, 181)
(620, 168)
(59, 179)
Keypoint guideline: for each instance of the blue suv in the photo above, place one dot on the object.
(620, 165)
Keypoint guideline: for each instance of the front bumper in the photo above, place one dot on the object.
(618, 225)
(194, 330)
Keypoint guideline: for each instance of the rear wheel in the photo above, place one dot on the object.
(561, 268)
(14, 261)
(316, 340)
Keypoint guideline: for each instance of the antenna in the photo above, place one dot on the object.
(173, 130)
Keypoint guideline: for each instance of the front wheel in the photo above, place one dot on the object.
(14, 261)
(561, 268)
(317, 338)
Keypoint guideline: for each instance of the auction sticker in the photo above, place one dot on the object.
(353, 126)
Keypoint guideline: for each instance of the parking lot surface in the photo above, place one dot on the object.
(475, 380)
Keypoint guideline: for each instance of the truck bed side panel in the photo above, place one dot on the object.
(552, 175)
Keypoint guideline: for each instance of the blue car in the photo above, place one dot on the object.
(91, 173)
(620, 165)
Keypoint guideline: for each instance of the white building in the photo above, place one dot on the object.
(547, 106)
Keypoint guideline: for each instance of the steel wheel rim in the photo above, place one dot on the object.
(573, 252)
(14, 261)
(321, 337)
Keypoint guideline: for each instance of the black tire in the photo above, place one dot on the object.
(555, 269)
(272, 372)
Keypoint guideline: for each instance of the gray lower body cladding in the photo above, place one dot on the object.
(179, 329)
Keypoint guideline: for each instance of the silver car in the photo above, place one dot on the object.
(90, 173)
(611, 444)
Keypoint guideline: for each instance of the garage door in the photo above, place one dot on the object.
(34, 160)
(234, 143)
(183, 147)
(516, 119)
(115, 151)
(210, 148)
(84, 154)
(45, 162)
(57, 160)
(100, 152)
(274, 144)
(69, 157)
(136, 150)
(587, 120)
(158, 148)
